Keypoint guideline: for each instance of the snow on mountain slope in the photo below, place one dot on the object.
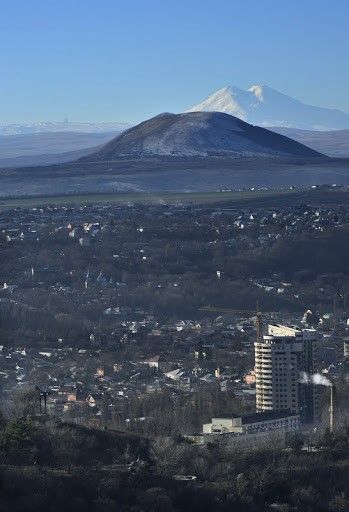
(198, 134)
(261, 105)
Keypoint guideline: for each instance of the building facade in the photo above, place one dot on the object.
(254, 423)
(346, 347)
(280, 357)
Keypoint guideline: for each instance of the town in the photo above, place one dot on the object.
(144, 318)
(174, 248)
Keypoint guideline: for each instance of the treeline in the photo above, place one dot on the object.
(170, 413)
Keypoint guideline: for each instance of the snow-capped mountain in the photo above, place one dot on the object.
(261, 105)
(60, 126)
(199, 134)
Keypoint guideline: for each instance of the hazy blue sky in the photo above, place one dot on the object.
(125, 60)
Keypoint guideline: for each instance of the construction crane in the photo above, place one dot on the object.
(246, 312)
(331, 408)
(259, 324)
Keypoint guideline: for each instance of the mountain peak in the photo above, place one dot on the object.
(199, 134)
(227, 99)
(261, 105)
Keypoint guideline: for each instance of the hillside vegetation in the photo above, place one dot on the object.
(49, 467)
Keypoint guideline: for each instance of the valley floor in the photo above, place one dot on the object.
(169, 176)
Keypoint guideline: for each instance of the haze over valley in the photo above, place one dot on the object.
(325, 131)
(194, 151)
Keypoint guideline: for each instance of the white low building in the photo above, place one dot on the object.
(254, 423)
(253, 431)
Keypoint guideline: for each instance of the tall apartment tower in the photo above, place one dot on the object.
(280, 357)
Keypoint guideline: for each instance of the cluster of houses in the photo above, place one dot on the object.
(96, 383)
(83, 381)
(123, 350)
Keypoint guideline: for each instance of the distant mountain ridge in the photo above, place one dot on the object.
(49, 147)
(199, 134)
(263, 106)
(197, 151)
(60, 126)
(334, 143)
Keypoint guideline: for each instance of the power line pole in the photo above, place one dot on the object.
(43, 394)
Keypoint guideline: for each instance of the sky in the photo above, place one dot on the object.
(126, 60)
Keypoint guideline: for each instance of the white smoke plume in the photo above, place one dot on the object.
(317, 379)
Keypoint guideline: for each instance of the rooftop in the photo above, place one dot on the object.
(259, 417)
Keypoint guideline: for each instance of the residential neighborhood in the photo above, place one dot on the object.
(86, 316)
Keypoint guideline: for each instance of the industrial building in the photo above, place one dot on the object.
(254, 423)
(252, 430)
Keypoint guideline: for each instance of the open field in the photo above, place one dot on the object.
(234, 198)
(156, 177)
(145, 198)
